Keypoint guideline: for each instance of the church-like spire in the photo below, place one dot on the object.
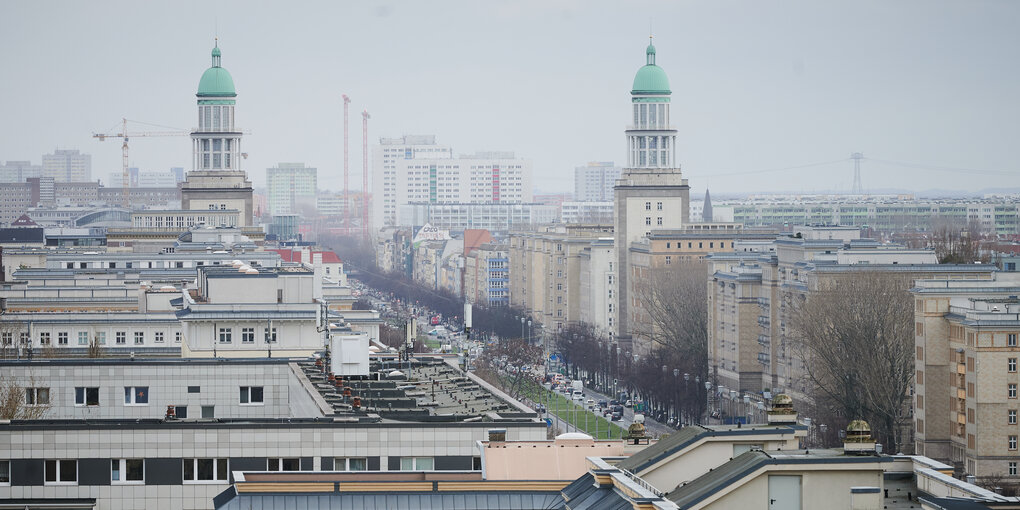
(706, 210)
(216, 53)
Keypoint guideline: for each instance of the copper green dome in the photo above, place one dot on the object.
(216, 81)
(651, 79)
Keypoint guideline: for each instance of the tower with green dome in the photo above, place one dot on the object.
(216, 180)
(651, 193)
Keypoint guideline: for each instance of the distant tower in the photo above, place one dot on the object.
(216, 180)
(706, 210)
(857, 188)
(651, 193)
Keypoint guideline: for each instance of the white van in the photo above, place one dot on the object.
(579, 395)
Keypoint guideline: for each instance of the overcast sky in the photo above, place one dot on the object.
(757, 85)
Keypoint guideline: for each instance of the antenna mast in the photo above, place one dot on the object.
(857, 188)
(364, 175)
(347, 194)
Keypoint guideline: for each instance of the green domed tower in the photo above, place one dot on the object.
(216, 180)
(651, 193)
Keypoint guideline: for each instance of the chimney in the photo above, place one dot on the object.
(858, 439)
(306, 257)
(317, 275)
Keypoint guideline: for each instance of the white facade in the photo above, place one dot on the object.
(594, 182)
(67, 166)
(416, 169)
(292, 188)
(587, 212)
(489, 216)
(598, 286)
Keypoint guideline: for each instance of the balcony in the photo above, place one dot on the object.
(764, 358)
(961, 393)
(764, 321)
(961, 368)
(764, 340)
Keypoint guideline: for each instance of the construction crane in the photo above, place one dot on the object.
(125, 198)
(364, 176)
(347, 193)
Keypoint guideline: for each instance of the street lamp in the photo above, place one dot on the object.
(522, 327)
(676, 393)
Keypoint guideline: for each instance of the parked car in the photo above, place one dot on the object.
(616, 416)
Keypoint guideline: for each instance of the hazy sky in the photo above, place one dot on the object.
(757, 85)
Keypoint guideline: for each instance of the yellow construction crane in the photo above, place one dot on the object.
(125, 199)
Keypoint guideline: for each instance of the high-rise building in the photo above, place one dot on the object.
(216, 180)
(651, 192)
(594, 182)
(67, 166)
(416, 169)
(291, 189)
(18, 171)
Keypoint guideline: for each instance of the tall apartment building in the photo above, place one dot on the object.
(545, 272)
(216, 180)
(965, 387)
(882, 213)
(18, 171)
(292, 188)
(414, 169)
(594, 182)
(487, 275)
(597, 287)
(67, 166)
(651, 193)
(751, 296)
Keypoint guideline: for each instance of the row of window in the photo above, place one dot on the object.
(63, 338)
(132, 471)
(226, 335)
(137, 396)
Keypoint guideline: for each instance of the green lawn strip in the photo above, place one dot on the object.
(574, 414)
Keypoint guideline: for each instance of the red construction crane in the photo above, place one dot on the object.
(125, 198)
(364, 176)
(347, 194)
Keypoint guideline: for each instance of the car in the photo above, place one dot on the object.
(616, 416)
(628, 403)
(590, 404)
(603, 403)
(614, 402)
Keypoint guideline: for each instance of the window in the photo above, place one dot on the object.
(669, 260)
(350, 464)
(205, 470)
(1011, 414)
(648, 220)
(121, 337)
(1012, 390)
(83, 338)
(1011, 340)
(225, 335)
(136, 395)
(658, 221)
(1012, 468)
(194, 389)
(247, 335)
(181, 412)
(658, 206)
(7, 338)
(86, 396)
(1011, 365)
(101, 337)
(251, 395)
(648, 206)
(44, 339)
(5, 472)
(284, 465)
(270, 336)
(139, 337)
(127, 470)
(208, 411)
(1012, 442)
(177, 337)
(416, 464)
(62, 338)
(37, 396)
(61, 472)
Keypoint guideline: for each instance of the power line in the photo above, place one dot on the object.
(921, 166)
(767, 170)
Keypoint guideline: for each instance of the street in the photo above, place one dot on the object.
(652, 427)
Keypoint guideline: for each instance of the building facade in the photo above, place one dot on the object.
(416, 169)
(292, 189)
(67, 166)
(965, 387)
(594, 182)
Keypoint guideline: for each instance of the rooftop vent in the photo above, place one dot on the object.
(858, 439)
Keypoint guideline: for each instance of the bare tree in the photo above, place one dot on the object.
(510, 364)
(14, 399)
(955, 242)
(855, 338)
(10, 333)
(674, 301)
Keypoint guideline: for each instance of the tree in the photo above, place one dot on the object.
(956, 243)
(855, 338)
(10, 334)
(511, 365)
(14, 403)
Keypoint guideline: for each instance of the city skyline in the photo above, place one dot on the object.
(918, 87)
